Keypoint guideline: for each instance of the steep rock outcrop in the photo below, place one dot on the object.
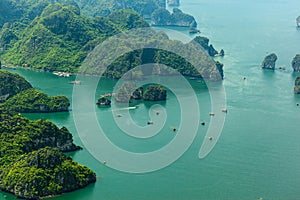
(155, 93)
(269, 61)
(34, 101)
(162, 17)
(297, 85)
(104, 101)
(209, 48)
(296, 63)
(11, 84)
(43, 173)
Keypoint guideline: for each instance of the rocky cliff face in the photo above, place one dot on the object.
(269, 61)
(296, 63)
(155, 93)
(16, 94)
(31, 162)
(43, 173)
(297, 85)
(298, 21)
(162, 17)
(11, 84)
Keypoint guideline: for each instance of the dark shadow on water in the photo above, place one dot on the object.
(50, 116)
(268, 73)
(148, 104)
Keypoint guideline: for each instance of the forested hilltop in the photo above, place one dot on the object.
(60, 38)
(16, 94)
(31, 162)
(26, 10)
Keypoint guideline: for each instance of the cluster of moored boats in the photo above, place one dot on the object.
(62, 74)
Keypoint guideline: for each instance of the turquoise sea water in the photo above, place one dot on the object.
(258, 152)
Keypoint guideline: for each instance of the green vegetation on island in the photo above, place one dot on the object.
(34, 101)
(58, 40)
(104, 100)
(11, 84)
(204, 42)
(20, 135)
(104, 8)
(269, 61)
(61, 38)
(26, 11)
(128, 92)
(296, 63)
(144, 7)
(31, 162)
(202, 65)
(162, 17)
(44, 172)
(155, 93)
(16, 94)
(127, 19)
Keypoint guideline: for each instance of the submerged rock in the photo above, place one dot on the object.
(269, 61)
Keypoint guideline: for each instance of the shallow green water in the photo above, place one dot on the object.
(258, 152)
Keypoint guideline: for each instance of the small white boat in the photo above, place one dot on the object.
(75, 82)
(211, 114)
(150, 122)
